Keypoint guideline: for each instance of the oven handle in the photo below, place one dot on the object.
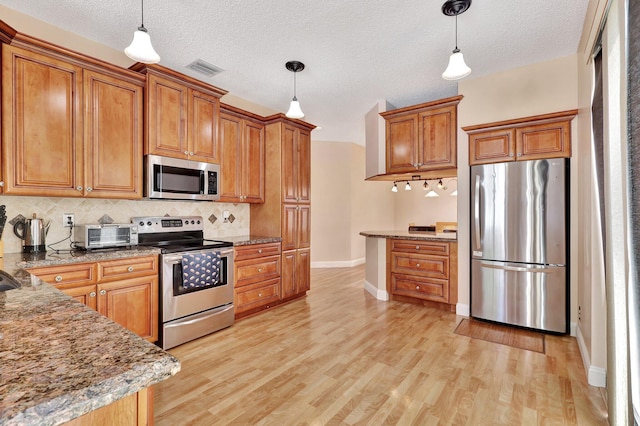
(174, 258)
(199, 317)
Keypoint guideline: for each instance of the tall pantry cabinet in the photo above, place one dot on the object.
(286, 212)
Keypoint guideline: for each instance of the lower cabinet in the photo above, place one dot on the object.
(135, 410)
(257, 270)
(295, 272)
(423, 271)
(124, 290)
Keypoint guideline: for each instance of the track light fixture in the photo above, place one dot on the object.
(439, 184)
(394, 188)
(294, 108)
(140, 49)
(457, 68)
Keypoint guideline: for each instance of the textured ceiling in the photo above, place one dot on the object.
(356, 52)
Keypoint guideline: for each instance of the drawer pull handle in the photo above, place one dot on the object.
(58, 278)
(130, 269)
(92, 294)
(103, 292)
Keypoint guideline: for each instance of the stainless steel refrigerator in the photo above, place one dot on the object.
(519, 243)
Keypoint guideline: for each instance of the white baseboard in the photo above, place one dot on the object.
(375, 291)
(596, 376)
(463, 309)
(338, 263)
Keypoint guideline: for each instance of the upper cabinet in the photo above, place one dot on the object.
(183, 115)
(71, 125)
(242, 156)
(296, 164)
(422, 137)
(530, 138)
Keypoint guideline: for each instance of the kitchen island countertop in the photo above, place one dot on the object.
(405, 235)
(60, 359)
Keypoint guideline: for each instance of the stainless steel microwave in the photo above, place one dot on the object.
(95, 236)
(179, 179)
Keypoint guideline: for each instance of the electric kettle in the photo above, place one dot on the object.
(32, 232)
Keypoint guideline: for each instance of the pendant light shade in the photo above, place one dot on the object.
(294, 108)
(140, 49)
(457, 68)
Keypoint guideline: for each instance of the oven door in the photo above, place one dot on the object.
(178, 302)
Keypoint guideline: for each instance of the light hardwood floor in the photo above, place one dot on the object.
(339, 356)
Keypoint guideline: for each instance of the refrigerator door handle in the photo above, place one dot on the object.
(520, 268)
(476, 213)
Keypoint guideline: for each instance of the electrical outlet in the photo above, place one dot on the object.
(67, 220)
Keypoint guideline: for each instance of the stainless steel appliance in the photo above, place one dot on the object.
(187, 313)
(519, 243)
(32, 232)
(178, 179)
(96, 236)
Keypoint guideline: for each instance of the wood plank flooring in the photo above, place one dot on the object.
(339, 356)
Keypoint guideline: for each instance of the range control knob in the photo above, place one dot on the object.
(141, 223)
(149, 223)
(198, 222)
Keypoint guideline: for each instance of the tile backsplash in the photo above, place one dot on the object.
(88, 210)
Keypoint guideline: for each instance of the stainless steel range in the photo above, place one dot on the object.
(196, 280)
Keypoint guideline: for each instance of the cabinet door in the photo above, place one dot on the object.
(437, 147)
(289, 274)
(253, 162)
(303, 270)
(83, 294)
(303, 167)
(289, 226)
(204, 115)
(41, 124)
(546, 140)
(493, 146)
(402, 137)
(303, 226)
(289, 159)
(166, 117)
(230, 142)
(113, 137)
(133, 304)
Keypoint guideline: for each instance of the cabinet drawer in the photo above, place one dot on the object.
(421, 247)
(121, 269)
(257, 295)
(66, 276)
(256, 250)
(422, 265)
(422, 288)
(260, 269)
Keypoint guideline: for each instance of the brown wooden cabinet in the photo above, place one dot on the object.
(422, 137)
(242, 156)
(72, 126)
(257, 271)
(286, 212)
(530, 138)
(182, 115)
(423, 271)
(124, 290)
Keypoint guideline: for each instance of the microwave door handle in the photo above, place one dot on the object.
(476, 213)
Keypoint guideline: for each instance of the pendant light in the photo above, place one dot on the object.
(457, 68)
(140, 49)
(407, 187)
(294, 109)
(394, 188)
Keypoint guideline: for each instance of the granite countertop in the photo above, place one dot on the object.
(60, 359)
(244, 240)
(405, 235)
(36, 260)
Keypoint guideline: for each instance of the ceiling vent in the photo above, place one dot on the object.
(204, 67)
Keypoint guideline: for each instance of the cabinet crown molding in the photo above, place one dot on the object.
(524, 121)
(454, 100)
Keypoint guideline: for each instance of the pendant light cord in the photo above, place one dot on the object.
(456, 31)
(142, 1)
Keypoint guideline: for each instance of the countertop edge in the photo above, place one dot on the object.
(404, 235)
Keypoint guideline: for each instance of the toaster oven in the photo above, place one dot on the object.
(96, 236)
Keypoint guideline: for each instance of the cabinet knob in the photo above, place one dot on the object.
(511, 154)
(130, 269)
(92, 294)
(186, 153)
(89, 189)
(417, 247)
(79, 188)
(58, 278)
(259, 269)
(259, 294)
(417, 287)
(259, 250)
(1, 183)
(519, 154)
(191, 153)
(417, 265)
(103, 292)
